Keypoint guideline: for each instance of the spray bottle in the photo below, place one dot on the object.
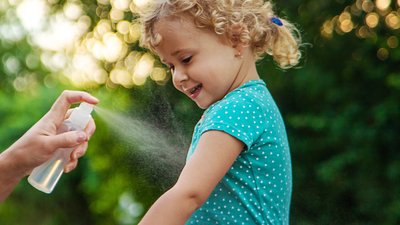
(46, 176)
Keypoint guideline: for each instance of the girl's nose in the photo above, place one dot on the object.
(179, 76)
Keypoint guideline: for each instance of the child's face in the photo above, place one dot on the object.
(203, 65)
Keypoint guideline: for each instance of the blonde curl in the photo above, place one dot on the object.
(247, 21)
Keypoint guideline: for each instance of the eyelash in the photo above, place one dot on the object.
(185, 61)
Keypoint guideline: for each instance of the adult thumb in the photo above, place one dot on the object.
(68, 139)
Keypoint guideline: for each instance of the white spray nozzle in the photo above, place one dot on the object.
(86, 108)
(81, 115)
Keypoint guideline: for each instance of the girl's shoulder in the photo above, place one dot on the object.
(252, 94)
(240, 113)
(250, 98)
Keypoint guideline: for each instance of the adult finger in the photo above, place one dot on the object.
(79, 151)
(67, 140)
(75, 155)
(64, 101)
(90, 128)
(70, 166)
(68, 113)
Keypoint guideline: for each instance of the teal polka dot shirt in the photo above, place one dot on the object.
(257, 188)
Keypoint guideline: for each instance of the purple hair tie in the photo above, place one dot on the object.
(276, 21)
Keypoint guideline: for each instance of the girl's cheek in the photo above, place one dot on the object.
(175, 84)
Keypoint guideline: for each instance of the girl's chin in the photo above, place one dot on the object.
(202, 105)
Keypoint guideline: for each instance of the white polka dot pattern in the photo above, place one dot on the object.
(257, 188)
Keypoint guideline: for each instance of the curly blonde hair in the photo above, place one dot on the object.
(247, 21)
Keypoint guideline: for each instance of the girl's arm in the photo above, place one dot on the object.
(214, 155)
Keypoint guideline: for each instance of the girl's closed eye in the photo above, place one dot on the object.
(187, 60)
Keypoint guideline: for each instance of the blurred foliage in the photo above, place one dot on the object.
(341, 108)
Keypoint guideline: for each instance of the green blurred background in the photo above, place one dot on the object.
(341, 107)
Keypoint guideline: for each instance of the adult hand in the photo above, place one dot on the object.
(40, 142)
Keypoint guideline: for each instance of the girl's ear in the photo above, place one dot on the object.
(236, 31)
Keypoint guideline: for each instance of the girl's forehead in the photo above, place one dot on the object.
(178, 30)
(175, 24)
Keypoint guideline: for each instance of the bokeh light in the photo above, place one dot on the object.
(393, 42)
(122, 5)
(374, 15)
(144, 67)
(374, 12)
(383, 54)
(372, 19)
(345, 23)
(158, 74)
(100, 56)
(123, 27)
(383, 4)
(72, 10)
(393, 20)
(327, 29)
(32, 14)
(121, 76)
(367, 6)
(11, 64)
(141, 3)
(116, 14)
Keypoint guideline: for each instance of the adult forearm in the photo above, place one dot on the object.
(10, 174)
(172, 208)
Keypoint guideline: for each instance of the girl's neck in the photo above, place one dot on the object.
(247, 71)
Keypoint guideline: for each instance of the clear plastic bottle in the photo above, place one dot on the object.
(46, 176)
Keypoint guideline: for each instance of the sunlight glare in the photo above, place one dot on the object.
(141, 3)
(144, 67)
(113, 47)
(32, 14)
(116, 14)
(383, 4)
(123, 27)
(134, 32)
(55, 38)
(121, 76)
(121, 4)
(4, 5)
(72, 11)
(102, 27)
(100, 76)
(139, 80)
(158, 74)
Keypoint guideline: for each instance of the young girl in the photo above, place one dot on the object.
(238, 168)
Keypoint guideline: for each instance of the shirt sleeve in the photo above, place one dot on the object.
(240, 116)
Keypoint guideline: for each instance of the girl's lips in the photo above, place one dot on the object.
(194, 92)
